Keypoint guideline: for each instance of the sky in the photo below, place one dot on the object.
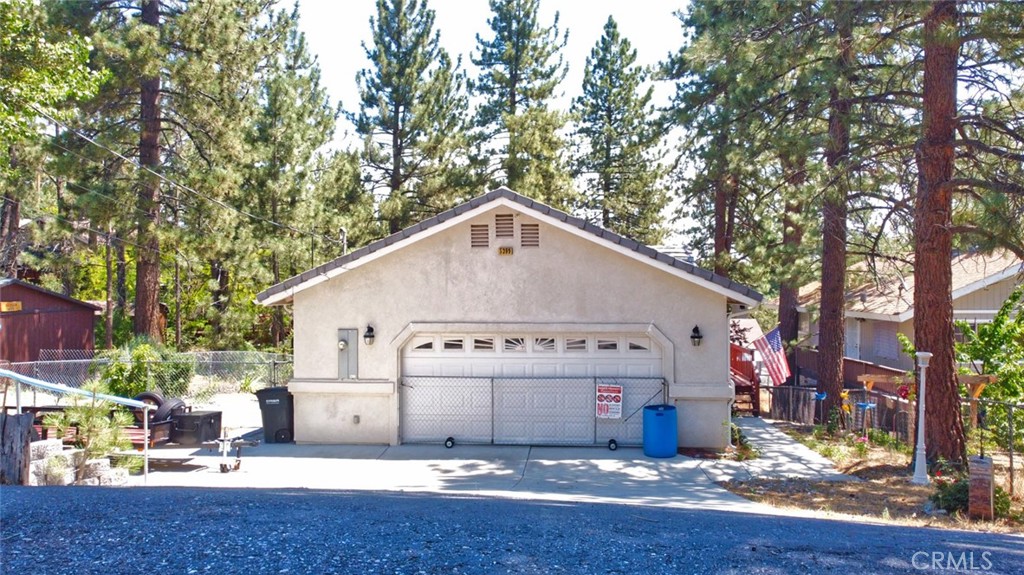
(336, 29)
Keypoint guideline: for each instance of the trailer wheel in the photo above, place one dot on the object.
(613, 445)
(449, 443)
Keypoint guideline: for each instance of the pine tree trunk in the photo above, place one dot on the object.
(726, 201)
(108, 313)
(221, 295)
(789, 284)
(933, 304)
(9, 236)
(9, 226)
(121, 289)
(396, 222)
(277, 314)
(832, 324)
(147, 257)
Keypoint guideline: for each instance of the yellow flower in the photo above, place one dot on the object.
(844, 394)
(846, 408)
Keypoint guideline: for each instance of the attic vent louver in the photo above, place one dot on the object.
(479, 235)
(503, 226)
(529, 235)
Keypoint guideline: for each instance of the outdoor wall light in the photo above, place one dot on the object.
(696, 337)
(368, 335)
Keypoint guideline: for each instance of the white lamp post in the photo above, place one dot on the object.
(920, 462)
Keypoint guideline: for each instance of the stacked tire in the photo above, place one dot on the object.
(162, 410)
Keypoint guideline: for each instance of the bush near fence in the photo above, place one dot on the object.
(185, 375)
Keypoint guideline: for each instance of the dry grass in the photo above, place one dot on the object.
(885, 494)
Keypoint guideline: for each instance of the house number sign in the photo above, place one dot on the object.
(504, 251)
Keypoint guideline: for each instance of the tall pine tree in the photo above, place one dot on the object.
(521, 67)
(619, 162)
(411, 116)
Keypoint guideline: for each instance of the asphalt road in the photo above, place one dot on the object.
(189, 531)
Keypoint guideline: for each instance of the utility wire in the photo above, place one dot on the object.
(79, 226)
(183, 186)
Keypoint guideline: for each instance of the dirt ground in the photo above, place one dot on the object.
(885, 494)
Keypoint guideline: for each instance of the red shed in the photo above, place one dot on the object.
(33, 318)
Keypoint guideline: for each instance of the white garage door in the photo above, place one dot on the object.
(525, 389)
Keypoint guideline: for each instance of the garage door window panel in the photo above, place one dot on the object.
(577, 344)
(515, 344)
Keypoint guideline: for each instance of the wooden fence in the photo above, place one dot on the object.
(807, 367)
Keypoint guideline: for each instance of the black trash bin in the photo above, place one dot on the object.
(278, 414)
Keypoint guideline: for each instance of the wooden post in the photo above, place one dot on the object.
(15, 448)
(975, 385)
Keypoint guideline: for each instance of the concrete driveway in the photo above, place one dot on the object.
(581, 474)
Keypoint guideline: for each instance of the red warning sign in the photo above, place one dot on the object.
(609, 401)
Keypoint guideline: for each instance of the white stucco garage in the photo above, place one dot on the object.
(504, 321)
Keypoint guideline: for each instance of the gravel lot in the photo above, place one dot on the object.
(186, 531)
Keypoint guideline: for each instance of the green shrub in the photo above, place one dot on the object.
(832, 428)
(952, 496)
(884, 439)
(145, 366)
(128, 373)
(744, 450)
(834, 452)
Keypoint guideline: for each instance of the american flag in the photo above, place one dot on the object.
(770, 346)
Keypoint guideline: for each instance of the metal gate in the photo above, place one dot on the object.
(522, 411)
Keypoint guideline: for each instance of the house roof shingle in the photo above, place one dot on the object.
(888, 290)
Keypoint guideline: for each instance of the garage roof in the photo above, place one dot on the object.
(282, 293)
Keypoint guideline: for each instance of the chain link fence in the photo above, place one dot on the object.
(195, 375)
(523, 411)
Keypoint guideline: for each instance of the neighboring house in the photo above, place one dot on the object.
(880, 305)
(495, 322)
(33, 318)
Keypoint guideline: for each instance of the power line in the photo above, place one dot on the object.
(183, 186)
(80, 226)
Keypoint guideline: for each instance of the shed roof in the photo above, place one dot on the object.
(283, 292)
(7, 282)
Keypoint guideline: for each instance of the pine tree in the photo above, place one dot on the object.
(619, 164)
(411, 115)
(520, 69)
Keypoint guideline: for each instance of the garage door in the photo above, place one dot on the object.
(526, 389)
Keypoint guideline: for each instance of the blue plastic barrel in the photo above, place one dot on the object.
(660, 439)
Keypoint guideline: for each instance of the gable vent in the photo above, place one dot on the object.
(503, 227)
(529, 235)
(479, 235)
